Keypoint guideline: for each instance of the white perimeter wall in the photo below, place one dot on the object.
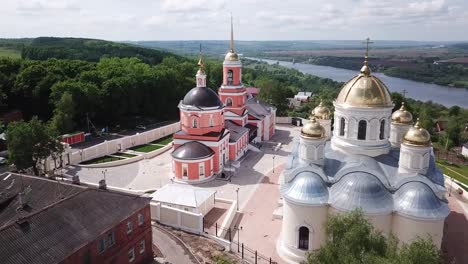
(121, 144)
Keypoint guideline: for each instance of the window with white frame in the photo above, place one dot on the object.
(142, 246)
(101, 245)
(141, 219)
(194, 123)
(201, 167)
(110, 239)
(131, 255)
(184, 170)
(129, 227)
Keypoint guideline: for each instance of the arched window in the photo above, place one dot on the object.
(228, 102)
(382, 129)
(211, 121)
(362, 127)
(342, 126)
(194, 123)
(303, 238)
(230, 77)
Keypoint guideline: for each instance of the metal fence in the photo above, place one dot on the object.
(247, 254)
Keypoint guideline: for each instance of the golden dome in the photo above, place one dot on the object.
(321, 111)
(417, 136)
(231, 56)
(401, 116)
(313, 129)
(365, 90)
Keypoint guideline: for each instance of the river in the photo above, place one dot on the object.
(444, 95)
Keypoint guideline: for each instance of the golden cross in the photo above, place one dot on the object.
(404, 92)
(367, 42)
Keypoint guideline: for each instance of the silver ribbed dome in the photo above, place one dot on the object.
(361, 190)
(306, 188)
(416, 199)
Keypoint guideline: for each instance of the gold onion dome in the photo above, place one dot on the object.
(313, 129)
(231, 56)
(401, 116)
(321, 111)
(417, 136)
(365, 90)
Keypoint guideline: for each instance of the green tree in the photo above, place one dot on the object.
(64, 112)
(352, 239)
(30, 142)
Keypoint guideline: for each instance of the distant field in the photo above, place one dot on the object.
(5, 52)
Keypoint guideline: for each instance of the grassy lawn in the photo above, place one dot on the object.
(101, 160)
(125, 155)
(458, 172)
(5, 52)
(146, 148)
(163, 141)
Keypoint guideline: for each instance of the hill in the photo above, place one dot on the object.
(88, 49)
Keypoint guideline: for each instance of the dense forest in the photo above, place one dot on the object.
(89, 50)
(121, 86)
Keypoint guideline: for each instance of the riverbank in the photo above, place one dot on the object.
(444, 95)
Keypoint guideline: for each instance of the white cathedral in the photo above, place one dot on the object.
(373, 160)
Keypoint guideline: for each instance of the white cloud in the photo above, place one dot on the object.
(253, 19)
(38, 7)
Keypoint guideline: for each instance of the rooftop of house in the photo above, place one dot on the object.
(45, 221)
(183, 195)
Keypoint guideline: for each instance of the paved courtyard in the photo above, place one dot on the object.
(258, 194)
(151, 174)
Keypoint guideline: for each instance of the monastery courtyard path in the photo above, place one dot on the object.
(151, 174)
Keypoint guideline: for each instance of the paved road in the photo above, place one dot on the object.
(171, 249)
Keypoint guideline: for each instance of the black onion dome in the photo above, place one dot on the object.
(192, 150)
(202, 97)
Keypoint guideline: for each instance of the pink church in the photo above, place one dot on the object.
(218, 129)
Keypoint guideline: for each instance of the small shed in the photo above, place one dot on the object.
(465, 150)
(185, 197)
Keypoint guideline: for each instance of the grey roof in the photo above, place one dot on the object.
(361, 190)
(52, 230)
(202, 97)
(373, 184)
(235, 130)
(183, 195)
(192, 150)
(306, 188)
(43, 193)
(258, 108)
(416, 199)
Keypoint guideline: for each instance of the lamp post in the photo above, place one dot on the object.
(237, 194)
(104, 173)
(238, 238)
(273, 163)
(450, 192)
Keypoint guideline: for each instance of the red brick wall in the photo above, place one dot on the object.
(117, 254)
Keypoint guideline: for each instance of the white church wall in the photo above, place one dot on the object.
(295, 216)
(407, 230)
(382, 223)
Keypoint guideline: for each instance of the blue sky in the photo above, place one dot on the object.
(253, 19)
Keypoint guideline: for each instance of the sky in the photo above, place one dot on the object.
(423, 20)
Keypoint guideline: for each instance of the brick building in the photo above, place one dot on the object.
(45, 221)
(216, 129)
